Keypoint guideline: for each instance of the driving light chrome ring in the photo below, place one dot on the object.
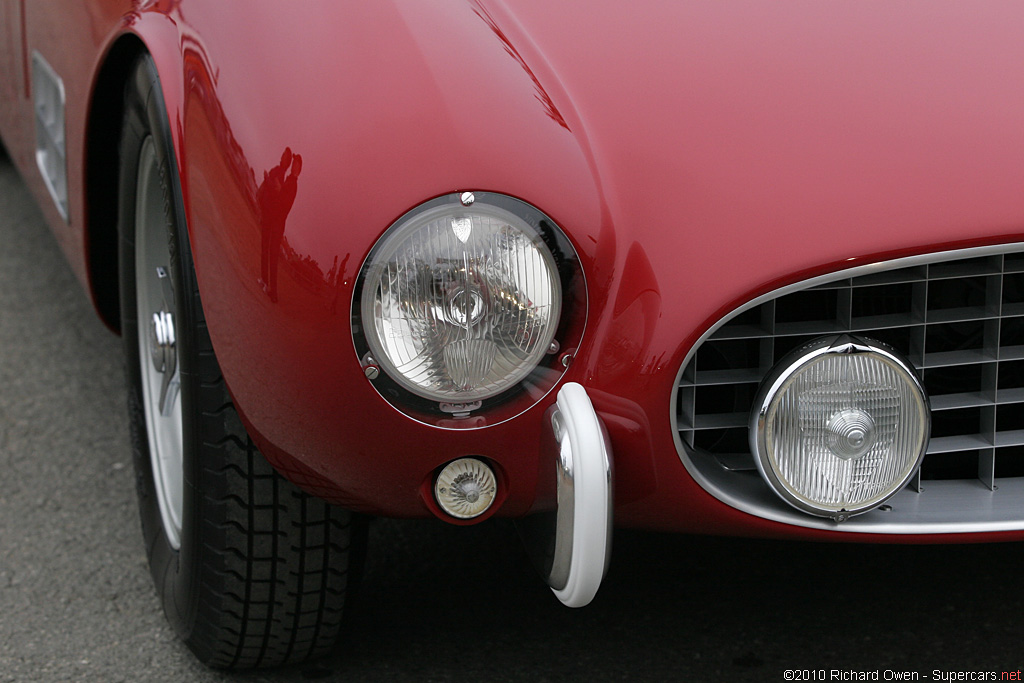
(839, 426)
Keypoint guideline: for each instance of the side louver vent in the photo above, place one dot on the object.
(51, 146)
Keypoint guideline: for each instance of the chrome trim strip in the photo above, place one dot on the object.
(910, 513)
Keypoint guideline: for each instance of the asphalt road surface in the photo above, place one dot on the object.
(438, 603)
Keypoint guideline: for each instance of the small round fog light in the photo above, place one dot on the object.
(465, 488)
(839, 426)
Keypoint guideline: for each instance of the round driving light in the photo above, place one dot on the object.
(839, 426)
(460, 302)
(465, 488)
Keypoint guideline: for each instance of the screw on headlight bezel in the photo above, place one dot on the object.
(778, 380)
(540, 380)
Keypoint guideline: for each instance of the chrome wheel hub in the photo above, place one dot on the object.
(163, 352)
(158, 352)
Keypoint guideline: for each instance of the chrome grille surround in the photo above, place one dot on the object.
(958, 316)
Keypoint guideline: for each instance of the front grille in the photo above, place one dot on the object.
(959, 322)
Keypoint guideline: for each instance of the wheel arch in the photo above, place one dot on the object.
(156, 36)
(103, 125)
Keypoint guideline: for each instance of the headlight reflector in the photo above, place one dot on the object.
(840, 426)
(460, 303)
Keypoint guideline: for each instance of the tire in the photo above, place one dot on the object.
(251, 570)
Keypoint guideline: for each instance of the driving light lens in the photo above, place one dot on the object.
(840, 426)
(460, 303)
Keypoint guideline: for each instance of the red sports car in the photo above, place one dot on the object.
(735, 268)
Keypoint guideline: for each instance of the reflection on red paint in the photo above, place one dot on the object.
(275, 198)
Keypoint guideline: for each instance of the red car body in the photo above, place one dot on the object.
(697, 156)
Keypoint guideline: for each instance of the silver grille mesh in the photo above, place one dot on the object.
(960, 322)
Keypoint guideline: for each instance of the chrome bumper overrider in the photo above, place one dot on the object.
(571, 546)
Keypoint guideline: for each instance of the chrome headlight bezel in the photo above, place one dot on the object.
(530, 384)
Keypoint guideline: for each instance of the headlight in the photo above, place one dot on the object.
(839, 426)
(460, 302)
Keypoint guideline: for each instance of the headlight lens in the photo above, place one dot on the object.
(458, 303)
(839, 427)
